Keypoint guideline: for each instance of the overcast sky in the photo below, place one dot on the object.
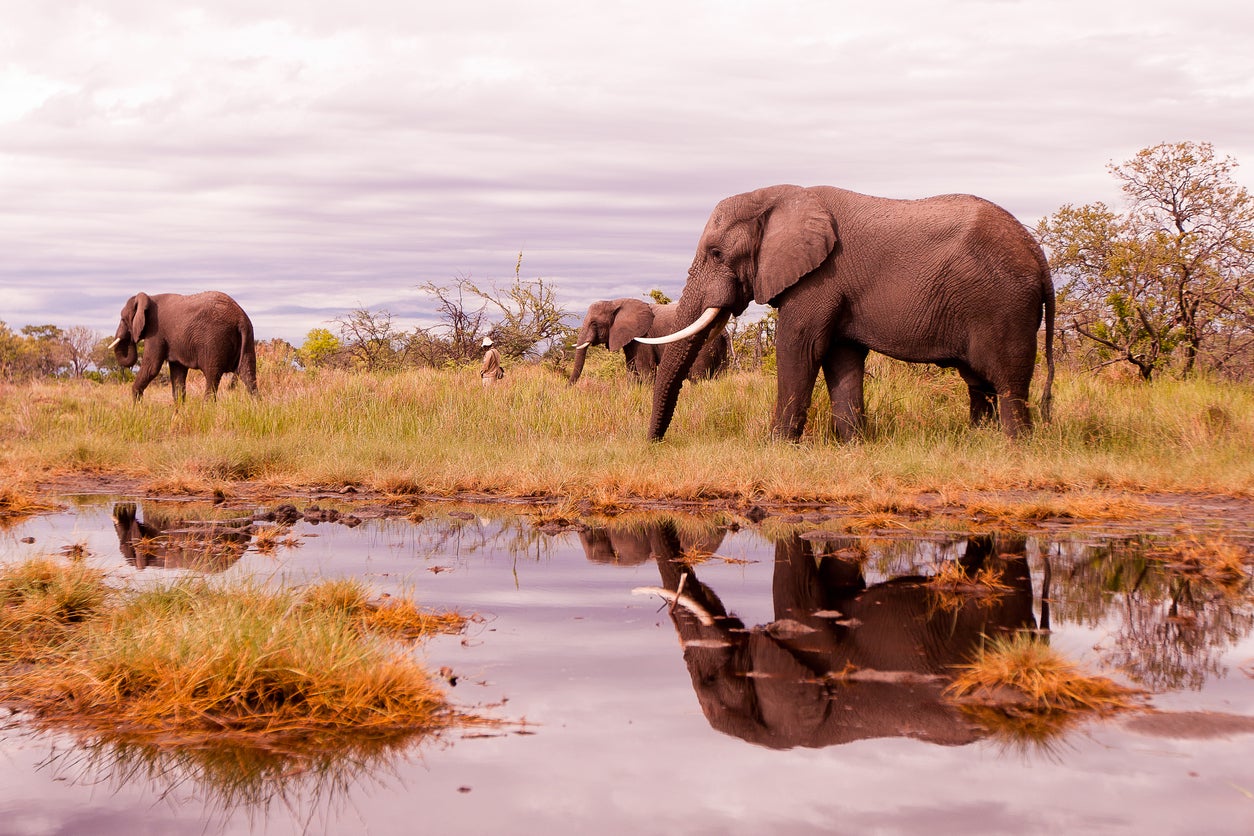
(314, 156)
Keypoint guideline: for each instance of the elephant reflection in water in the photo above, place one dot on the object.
(632, 547)
(164, 542)
(843, 660)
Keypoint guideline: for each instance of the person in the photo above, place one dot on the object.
(491, 371)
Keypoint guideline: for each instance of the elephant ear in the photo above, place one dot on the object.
(142, 303)
(798, 235)
(634, 318)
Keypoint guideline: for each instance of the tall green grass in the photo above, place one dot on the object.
(440, 432)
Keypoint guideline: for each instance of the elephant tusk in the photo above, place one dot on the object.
(115, 342)
(705, 319)
(675, 598)
(582, 346)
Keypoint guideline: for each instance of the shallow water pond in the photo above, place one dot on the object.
(678, 674)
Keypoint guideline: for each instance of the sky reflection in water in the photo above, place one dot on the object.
(647, 718)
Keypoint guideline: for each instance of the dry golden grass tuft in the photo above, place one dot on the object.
(271, 538)
(17, 503)
(1214, 559)
(194, 661)
(1022, 675)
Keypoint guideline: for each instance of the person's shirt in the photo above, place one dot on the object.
(491, 363)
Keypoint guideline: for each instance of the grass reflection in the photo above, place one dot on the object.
(309, 779)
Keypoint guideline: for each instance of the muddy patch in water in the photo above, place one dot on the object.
(686, 673)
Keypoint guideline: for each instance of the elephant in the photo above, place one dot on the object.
(842, 660)
(952, 280)
(633, 545)
(207, 331)
(616, 323)
(165, 542)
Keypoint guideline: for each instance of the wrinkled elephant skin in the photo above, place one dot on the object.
(207, 331)
(951, 280)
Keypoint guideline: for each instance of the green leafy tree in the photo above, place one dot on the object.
(320, 349)
(1167, 280)
(659, 297)
(11, 354)
(44, 350)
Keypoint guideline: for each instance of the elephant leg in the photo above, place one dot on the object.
(646, 362)
(797, 367)
(844, 369)
(213, 378)
(983, 396)
(1016, 420)
(178, 380)
(630, 356)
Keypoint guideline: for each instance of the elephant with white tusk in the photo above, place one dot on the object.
(951, 280)
(207, 331)
(843, 659)
(625, 324)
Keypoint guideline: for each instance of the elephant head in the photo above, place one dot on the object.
(613, 323)
(624, 324)
(952, 280)
(135, 319)
(753, 248)
(632, 545)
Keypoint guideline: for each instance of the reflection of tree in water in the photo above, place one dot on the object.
(1172, 629)
(311, 782)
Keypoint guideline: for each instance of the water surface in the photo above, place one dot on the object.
(724, 714)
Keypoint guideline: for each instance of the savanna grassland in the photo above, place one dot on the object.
(437, 432)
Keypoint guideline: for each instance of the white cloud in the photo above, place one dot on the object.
(265, 143)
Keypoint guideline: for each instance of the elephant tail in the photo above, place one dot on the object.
(1047, 397)
(246, 367)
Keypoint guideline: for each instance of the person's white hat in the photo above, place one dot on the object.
(487, 341)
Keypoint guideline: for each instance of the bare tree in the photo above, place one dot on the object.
(80, 348)
(533, 324)
(370, 340)
(456, 339)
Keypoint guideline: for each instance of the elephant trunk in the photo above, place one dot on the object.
(581, 354)
(676, 363)
(126, 352)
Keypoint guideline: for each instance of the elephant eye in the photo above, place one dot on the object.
(716, 254)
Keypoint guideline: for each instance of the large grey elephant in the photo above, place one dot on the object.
(843, 660)
(617, 323)
(951, 280)
(207, 331)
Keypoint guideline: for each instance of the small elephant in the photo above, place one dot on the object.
(617, 323)
(207, 331)
(951, 280)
